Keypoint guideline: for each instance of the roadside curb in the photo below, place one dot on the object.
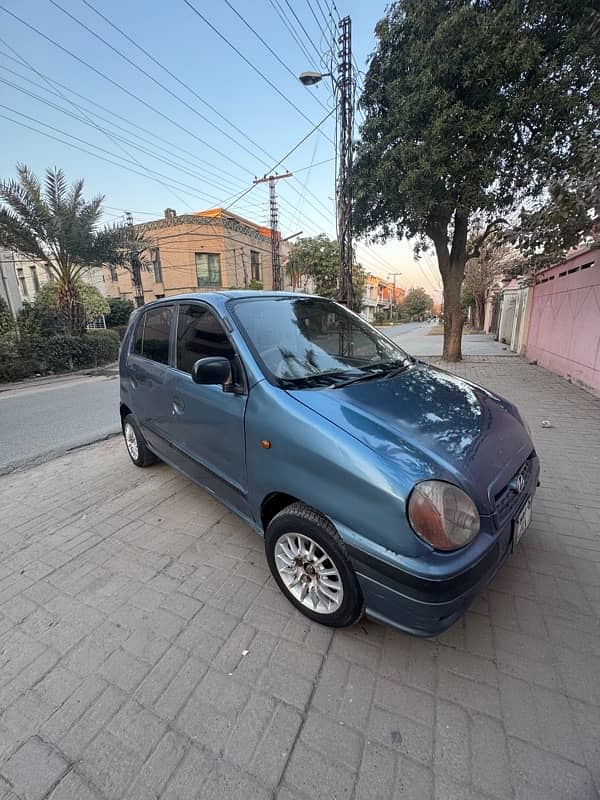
(109, 370)
(51, 455)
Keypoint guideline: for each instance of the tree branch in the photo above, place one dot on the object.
(475, 250)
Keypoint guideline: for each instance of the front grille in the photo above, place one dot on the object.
(508, 499)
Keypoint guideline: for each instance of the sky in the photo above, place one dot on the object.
(190, 123)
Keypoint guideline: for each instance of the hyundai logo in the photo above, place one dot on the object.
(518, 483)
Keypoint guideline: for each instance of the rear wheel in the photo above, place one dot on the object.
(308, 560)
(136, 445)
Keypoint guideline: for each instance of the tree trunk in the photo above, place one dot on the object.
(479, 313)
(453, 317)
(452, 268)
(71, 309)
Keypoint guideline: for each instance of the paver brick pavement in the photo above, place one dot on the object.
(146, 653)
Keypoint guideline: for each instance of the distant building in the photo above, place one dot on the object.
(378, 297)
(22, 276)
(204, 251)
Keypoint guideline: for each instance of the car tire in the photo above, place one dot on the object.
(136, 446)
(308, 560)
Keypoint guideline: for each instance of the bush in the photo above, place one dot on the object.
(379, 317)
(36, 354)
(120, 311)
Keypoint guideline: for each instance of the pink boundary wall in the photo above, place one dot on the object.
(564, 326)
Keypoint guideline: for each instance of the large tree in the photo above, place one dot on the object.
(55, 224)
(417, 302)
(470, 107)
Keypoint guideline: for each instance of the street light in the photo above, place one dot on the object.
(310, 78)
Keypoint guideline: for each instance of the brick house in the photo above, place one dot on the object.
(204, 251)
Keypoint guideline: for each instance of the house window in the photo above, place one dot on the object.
(208, 269)
(35, 279)
(156, 265)
(22, 282)
(255, 265)
(113, 274)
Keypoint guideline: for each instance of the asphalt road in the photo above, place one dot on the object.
(397, 331)
(46, 420)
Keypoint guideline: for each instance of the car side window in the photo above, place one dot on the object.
(152, 336)
(199, 335)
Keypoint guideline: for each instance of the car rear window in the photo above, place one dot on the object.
(152, 336)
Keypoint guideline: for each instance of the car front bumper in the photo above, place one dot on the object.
(418, 605)
(426, 606)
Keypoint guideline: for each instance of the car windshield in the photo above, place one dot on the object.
(306, 342)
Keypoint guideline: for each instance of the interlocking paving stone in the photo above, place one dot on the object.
(145, 651)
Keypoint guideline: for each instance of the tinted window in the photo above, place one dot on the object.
(152, 337)
(199, 335)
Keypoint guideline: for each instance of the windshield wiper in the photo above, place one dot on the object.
(398, 370)
(366, 377)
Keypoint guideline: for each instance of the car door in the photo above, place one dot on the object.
(207, 422)
(148, 371)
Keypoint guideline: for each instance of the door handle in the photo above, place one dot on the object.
(178, 405)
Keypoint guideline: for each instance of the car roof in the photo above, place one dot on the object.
(219, 298)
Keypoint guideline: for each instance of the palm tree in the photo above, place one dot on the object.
(55, 224)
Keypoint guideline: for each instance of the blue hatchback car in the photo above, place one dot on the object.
(381, 485)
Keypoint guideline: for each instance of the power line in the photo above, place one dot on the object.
(299, 21)
(122, 88)
(288, 26)
(149, 76)
(108, 134)
(84, 150)
(175, 77)
(251, 65)
(266, 44)
(113, 136)
(126, 91)
(206, 165)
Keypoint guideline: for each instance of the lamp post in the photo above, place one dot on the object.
(344, 88)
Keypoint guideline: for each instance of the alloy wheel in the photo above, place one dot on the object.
(308, 573)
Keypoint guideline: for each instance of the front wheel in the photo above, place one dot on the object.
(307, 558)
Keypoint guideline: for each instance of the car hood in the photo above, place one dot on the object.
(463, 432)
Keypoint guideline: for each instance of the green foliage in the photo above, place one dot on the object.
(417, 303)
(36, 318)
(470, 106)
(7, 323)
(36, 354)
(255, 285)
(119, 312)
(566, 215)
(56, 224)
(318, 258)
(95, 305)
(379, 317)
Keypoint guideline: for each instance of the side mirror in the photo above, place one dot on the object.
(214, 370)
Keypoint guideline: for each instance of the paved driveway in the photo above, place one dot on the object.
(145, 652)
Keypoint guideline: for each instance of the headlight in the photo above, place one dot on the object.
(443, 515)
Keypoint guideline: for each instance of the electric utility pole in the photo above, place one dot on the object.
(275, 236)
(344, 189)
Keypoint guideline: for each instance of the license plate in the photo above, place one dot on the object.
(522, 521)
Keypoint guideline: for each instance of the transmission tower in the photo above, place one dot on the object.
(275, 235)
